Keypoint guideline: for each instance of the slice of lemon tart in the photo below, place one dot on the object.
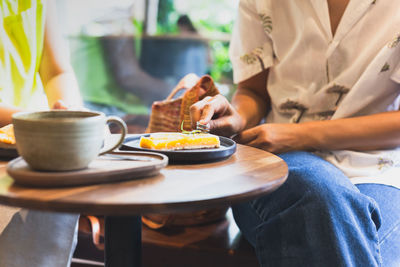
(7, 134)
(178, 141)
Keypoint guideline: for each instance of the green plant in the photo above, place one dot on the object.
(138, 26)
(221, 67)
(208, 24)
(166, 17)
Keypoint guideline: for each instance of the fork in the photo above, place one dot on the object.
(204, 128)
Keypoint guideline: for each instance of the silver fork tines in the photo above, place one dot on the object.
(205, 128)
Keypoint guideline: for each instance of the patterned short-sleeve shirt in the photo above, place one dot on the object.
(315, 75)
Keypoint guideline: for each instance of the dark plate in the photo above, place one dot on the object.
(8, 151)
(227, 148)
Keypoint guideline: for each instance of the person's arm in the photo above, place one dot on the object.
(55, 70)
(378, 131)
(250, 105)
(251, 99)
(6, 112)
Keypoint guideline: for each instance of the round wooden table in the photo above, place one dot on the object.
(248, 174)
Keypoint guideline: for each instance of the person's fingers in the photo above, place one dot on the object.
(213, 111)
(247, 136)
(257, 144)
(222, 126)
(60, 105)
(196, 109)
(207, 112)
(215, 105)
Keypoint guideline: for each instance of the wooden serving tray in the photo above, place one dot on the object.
(113, 167)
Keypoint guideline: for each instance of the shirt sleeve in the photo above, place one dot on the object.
(251, 48)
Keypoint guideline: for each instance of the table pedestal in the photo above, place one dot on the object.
(123, 241)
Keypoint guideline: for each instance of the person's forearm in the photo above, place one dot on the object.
(61, 87)
(6, 112)
(251, 99)
(64, 87)
(379, 131)
(55, 69)
(250, 106)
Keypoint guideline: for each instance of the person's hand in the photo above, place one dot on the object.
(59, 105)
(219, 114)
(274, 138)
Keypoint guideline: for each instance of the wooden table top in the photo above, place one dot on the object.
(249, 173)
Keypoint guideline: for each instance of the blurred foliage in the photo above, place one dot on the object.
(211, 23)
(138, 26)
(221, 68)
(166, 17)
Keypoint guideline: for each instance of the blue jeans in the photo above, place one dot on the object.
(319, 218)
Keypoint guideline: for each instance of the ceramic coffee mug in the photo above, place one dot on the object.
(62, 140)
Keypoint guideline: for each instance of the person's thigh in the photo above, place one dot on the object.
(306, 172)
(312, 219)
(36, 238)
(388, 199)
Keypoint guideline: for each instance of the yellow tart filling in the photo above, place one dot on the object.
(178, 141)
(7, 134)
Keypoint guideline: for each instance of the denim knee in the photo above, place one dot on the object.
(311, 179)
(316, 209)
(310, 169)
(325, 185)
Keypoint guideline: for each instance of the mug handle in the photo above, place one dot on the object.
(124, 129)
